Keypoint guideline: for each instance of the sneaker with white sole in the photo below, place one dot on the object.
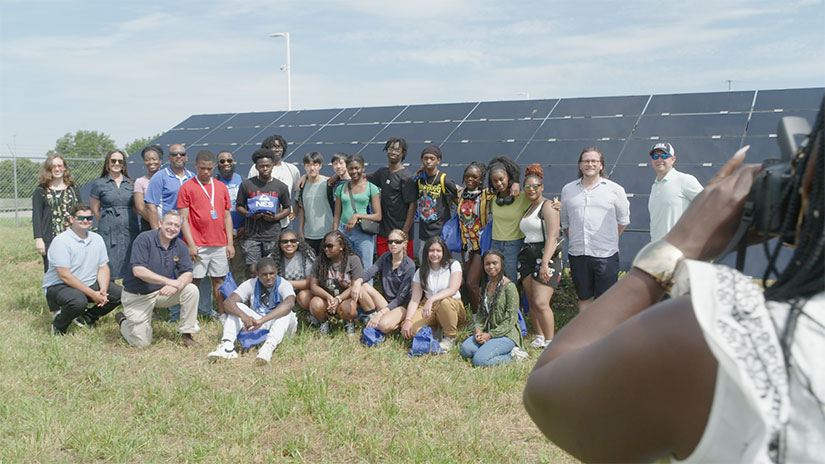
(323, 329)
(518, 354)
(349, 328)
(538, 342)
(265, 353)
(225, 350)
(447, 343)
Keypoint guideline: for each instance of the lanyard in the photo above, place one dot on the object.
(211, 198)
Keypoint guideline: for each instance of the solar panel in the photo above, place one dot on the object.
(235, 135)
(567, 151)
(600, 106)
(465, 153)
(437, 112)
(789, 99)
(586, 128)
(700, 102)
(184, 136)
(639, 214)
(533, 109)
(292, 134)
(345, 133)
(692, 125)
(424, 132)
(765, 123)
(261, 119)
(688, 150)
(634, 179)
(495, 130)
(308, 117)
(380, 114)
(705, 129)
(761, 148)
(200, 121)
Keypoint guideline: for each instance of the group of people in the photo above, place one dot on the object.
(309, 242)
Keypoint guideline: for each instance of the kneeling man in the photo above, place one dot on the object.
(78, 275)
(264, 302)
(159, 275)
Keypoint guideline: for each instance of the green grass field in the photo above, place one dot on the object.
(89, 397)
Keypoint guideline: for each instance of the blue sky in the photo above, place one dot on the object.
(133, 69)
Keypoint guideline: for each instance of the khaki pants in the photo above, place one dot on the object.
(448, 313)
(138, 309)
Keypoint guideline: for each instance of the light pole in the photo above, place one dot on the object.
(288, 70)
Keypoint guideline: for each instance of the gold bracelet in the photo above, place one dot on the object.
(659, 260)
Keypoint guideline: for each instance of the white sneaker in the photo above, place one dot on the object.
(538, 342)
(447, 343)
(324, 328)
(349, 328)
(518, 354)
(225, 350)
(265, 353)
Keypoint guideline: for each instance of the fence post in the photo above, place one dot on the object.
(16, 205)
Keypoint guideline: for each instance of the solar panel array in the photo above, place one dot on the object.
(704, 128)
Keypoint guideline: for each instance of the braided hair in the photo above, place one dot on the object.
(307, 253)
(323, 264)
(803, 276)
(482, 168)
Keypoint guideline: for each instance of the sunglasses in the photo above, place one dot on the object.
(116, 161)
(58, 166)
(288, 240)
(85, 218)
(226, 161)
(177, 153)
(395, 242)
(531, 186)
(656, 156)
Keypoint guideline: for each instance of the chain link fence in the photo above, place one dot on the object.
(19, 176)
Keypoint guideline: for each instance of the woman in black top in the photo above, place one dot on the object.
(52, 203)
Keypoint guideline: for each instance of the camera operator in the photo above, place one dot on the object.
(721, 372)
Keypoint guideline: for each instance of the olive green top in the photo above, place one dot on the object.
(507, 217)
(499, 317)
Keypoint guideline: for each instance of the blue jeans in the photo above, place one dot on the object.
(495, 351)
(362, 243)
(510, 249)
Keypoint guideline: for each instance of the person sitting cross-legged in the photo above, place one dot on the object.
(261, 303)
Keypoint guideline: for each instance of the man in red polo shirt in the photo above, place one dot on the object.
(205, 208)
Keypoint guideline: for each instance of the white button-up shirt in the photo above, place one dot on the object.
(592, 217)
(669, 198)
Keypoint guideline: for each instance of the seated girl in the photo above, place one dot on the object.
(397, 270)
(331, 280)
(294, 259)
(438, 281)
(496, 328)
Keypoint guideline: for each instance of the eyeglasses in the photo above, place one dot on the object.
(226, 161)
(656, 156)
(58, 166)
(531, 186)
(288, 240)
(116, 161)
(85, 218)
(590, 161)
(329, 245)
(395, 242)
(177, 153)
